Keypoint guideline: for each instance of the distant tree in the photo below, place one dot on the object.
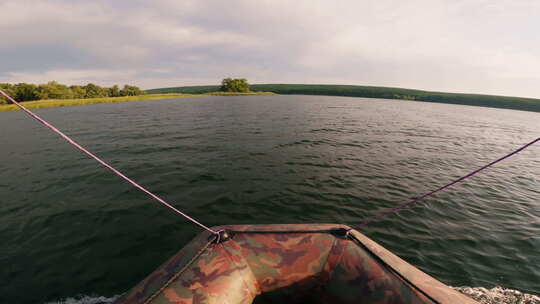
(78, 91)
(235, 85)
(8, 89)
(53, 90)
(114, 91)
(130, 91)
(25, 92)
(94, 91)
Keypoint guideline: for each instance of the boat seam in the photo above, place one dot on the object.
(249, 269)
(331, 274)
(326, 261)
(174, 277)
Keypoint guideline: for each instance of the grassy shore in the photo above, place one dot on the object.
(51, 103)
(494, 101)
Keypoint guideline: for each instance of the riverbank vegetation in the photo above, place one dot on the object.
(54, 94)
(23, 92)
(39, 104)
(517, 103)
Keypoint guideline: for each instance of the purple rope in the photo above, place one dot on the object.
(416, 200)
(99, 160)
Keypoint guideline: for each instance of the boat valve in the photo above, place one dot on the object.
(220, 237)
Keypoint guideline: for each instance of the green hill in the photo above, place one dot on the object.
(494, 101)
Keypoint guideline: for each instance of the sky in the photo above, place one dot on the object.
(480, 46)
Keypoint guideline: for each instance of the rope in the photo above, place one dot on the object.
(379, 217)
(416, 200)
(99, 160)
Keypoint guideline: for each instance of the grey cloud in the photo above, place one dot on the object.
(466, 46)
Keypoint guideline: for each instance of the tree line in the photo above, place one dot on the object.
(54, 90)
(493, 101)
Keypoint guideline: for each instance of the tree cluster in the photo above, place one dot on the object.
(54, 90)
(235, 85)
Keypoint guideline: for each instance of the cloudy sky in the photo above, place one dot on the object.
(481, 46)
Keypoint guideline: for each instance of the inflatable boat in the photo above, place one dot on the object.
(316, 263)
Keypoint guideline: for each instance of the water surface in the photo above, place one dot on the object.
(69, 227)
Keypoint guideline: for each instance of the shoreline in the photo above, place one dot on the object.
(482, 100)
(54, 103)
(489, 101)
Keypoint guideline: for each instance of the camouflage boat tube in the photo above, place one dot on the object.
(288, 264)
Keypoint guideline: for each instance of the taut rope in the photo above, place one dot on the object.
(217, 233)
(416, 200)
(102, 162)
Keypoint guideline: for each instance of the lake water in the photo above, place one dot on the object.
(70, 228)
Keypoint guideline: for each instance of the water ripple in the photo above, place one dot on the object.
(68, 227)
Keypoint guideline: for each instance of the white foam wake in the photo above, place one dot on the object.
(86, 300)
(498, 295)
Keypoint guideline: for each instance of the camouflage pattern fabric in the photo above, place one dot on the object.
(289, 264)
